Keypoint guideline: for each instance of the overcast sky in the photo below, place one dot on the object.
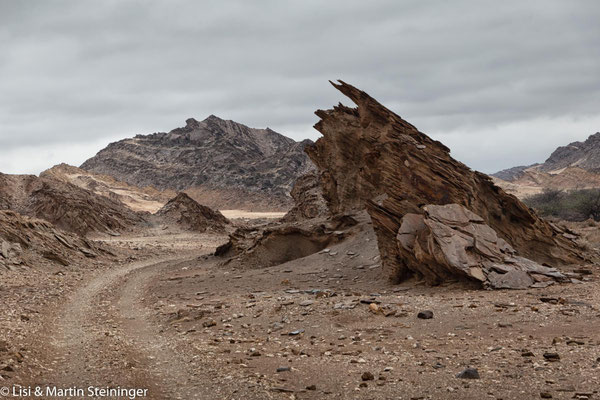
(500, 83)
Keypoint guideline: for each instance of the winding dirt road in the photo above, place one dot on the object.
(103, 337)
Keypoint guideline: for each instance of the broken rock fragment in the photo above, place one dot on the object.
(450, 241)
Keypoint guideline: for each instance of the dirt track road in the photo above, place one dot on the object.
(102, 337)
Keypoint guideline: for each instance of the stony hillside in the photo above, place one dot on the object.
(26, 241)
(574, 166)
(138, 199)
(213, 154)
(65, 205)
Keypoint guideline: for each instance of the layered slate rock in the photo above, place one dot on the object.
(449, 240)
(191, 215)
(370, 157)
(308, 199)
(65, 205)
(32, 242)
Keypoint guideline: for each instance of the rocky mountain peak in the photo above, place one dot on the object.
(584, 155)
(213, 153)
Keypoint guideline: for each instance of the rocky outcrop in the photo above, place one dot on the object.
(448, 241)
(33, 242)
(370, 157)
(274, 244)
(308, 199)
(190, 215)
(214, 154)
(65, 205)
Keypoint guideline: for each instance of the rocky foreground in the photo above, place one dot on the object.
(163, 315)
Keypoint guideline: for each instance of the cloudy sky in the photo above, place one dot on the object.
(500, 83)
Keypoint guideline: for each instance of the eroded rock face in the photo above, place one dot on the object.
(370, 157)
(191, 215)
(32, 242)
(65, 205)
(308, 199)
(269, 245)
(448, 241)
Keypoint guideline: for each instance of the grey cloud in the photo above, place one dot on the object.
(77, 72)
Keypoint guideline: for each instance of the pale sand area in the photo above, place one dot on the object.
(233, 214)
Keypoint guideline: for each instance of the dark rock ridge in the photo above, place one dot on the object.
(369, 156)
(191, 215)
(513, 173)
(583, 155)
(213, 153)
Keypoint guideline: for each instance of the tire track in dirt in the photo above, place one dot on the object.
(103, 337)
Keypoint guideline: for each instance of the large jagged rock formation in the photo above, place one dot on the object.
(308, 199)
(189, 214)
(369, 156)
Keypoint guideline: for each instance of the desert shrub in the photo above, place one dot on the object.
(575, 205)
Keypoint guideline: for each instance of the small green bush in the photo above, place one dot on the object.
(575, 205)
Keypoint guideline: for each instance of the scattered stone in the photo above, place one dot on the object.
(374, 308)
(311, 387)
(427, 314)
(284, 369)
(552, 357)
(306, 303)
(468, 373)
(545, 395)
(296, 332)
(209, 324)
(367, 376)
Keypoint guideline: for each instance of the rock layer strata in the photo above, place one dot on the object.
(370, 157)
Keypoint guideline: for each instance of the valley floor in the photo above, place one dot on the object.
(167, 317)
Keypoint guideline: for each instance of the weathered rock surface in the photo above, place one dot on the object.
(213, 155)
(33, 242)
(146, 199)
(308, 199)
(274, 244)
(370, 157)
(65, 205)
(191, 215)
(449, 241)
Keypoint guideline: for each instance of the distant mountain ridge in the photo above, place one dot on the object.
(214, 154)
(574, 166)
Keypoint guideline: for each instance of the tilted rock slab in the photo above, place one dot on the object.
(370, 157)
(450, 240)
